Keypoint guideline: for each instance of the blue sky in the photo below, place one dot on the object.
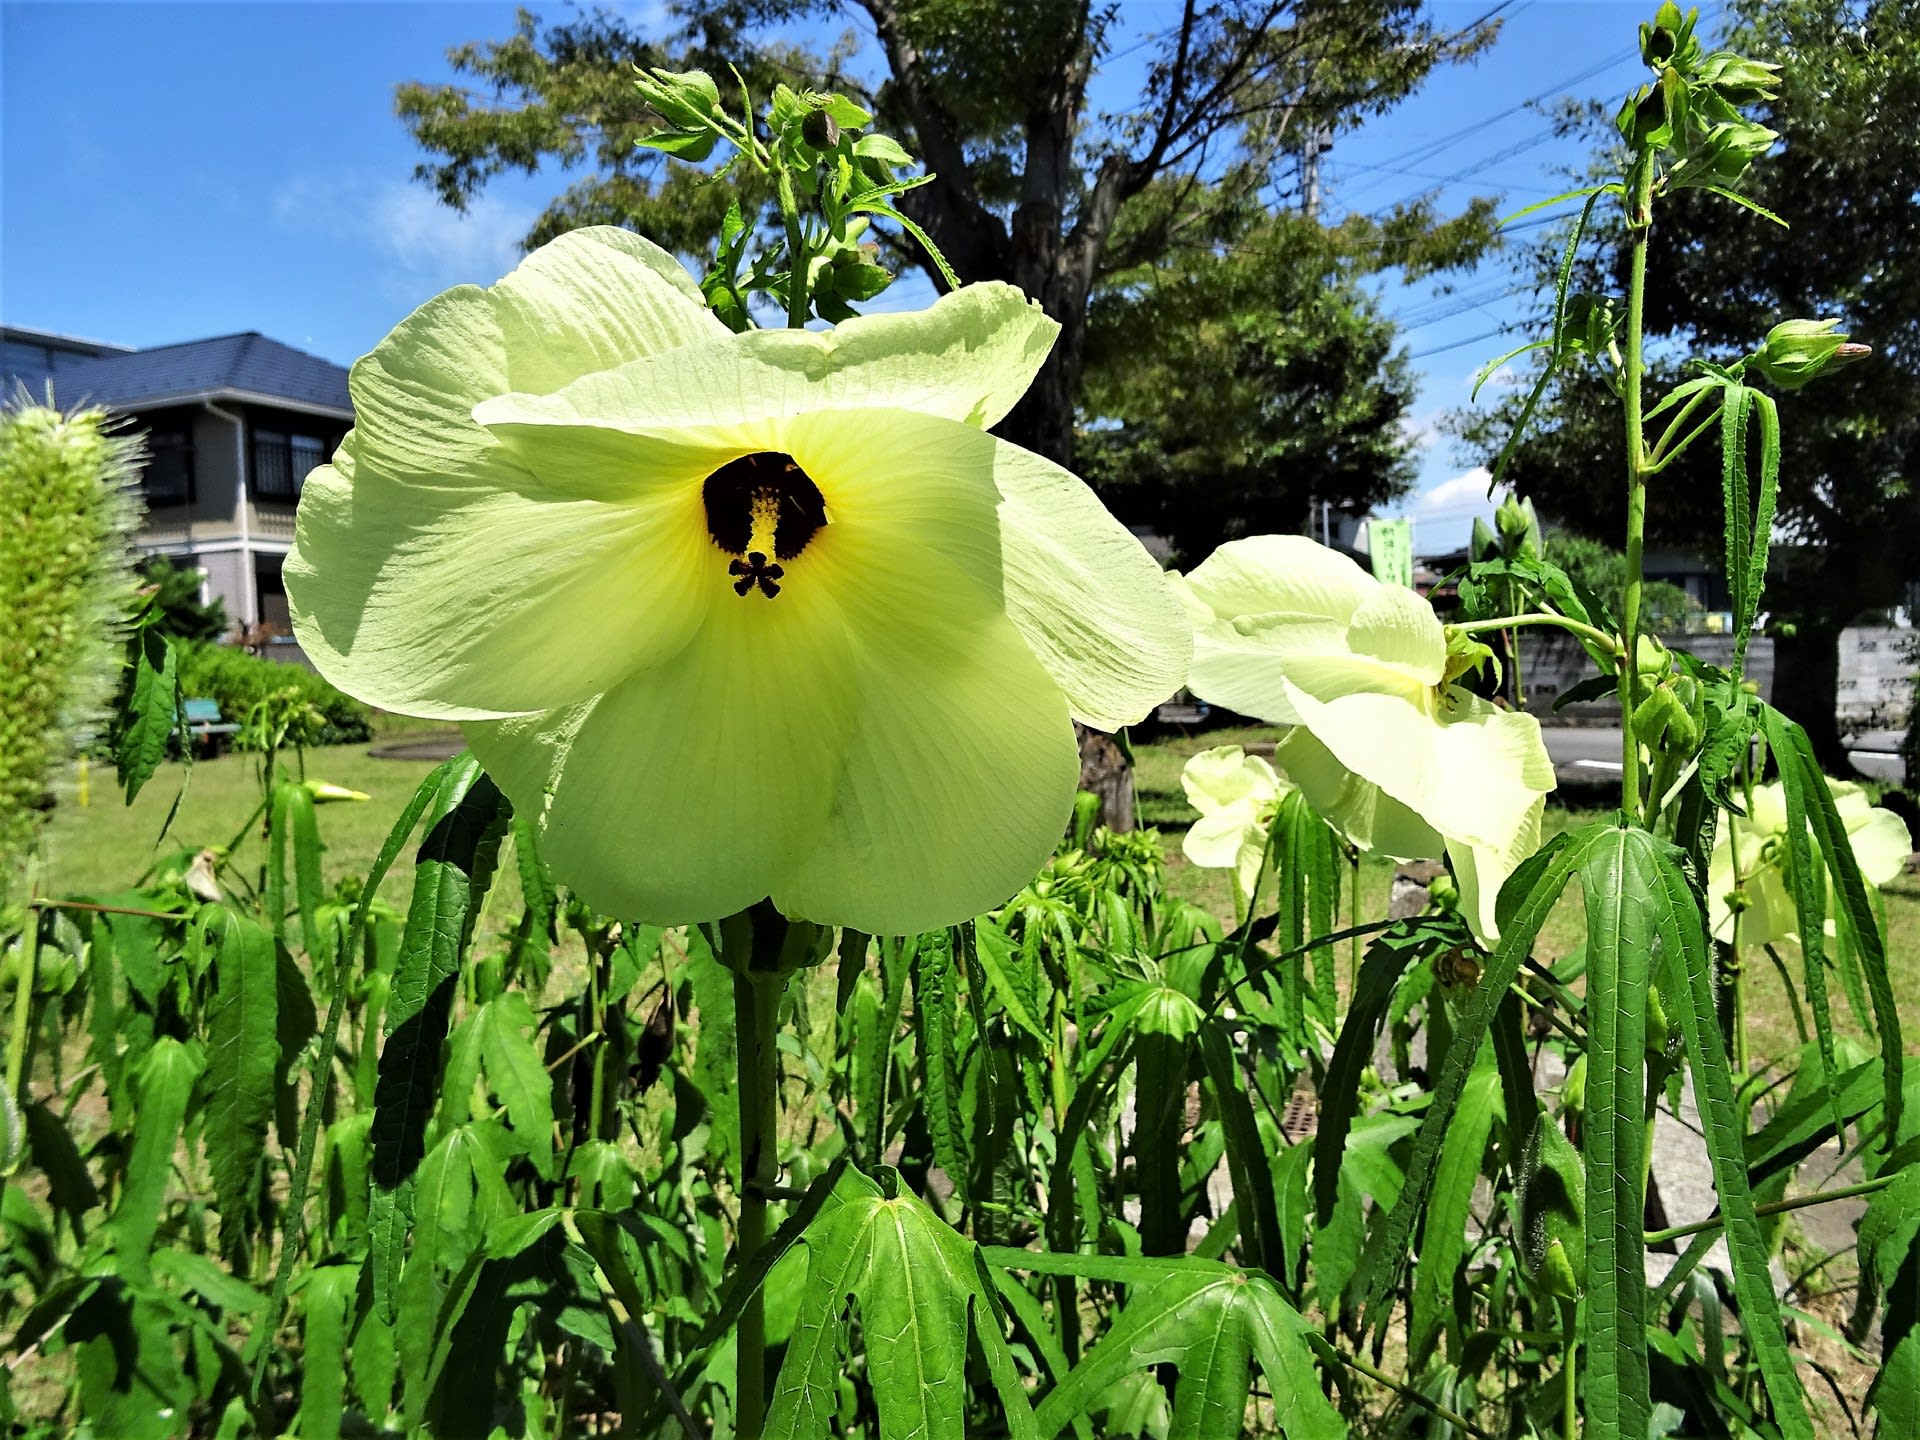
(169, 171)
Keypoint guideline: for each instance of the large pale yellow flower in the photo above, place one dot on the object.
(1384, 747)
(1751, 858)
(732, 616)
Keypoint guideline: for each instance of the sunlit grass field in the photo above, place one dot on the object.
(106, 847)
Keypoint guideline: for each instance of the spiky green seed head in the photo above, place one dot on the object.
(68, 509)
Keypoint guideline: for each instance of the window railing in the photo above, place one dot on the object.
(282, 462)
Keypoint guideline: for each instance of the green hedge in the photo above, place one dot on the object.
(239, 682)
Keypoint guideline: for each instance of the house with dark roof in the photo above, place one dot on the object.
(233, 426)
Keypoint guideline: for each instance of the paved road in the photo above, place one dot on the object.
(1590, 754)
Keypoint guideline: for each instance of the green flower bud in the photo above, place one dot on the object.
(1553, 1209)
(1519, 529)
(1797, 350)
(1668, 40)
(1485, 544)
(1738, 80)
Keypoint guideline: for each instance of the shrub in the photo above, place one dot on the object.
(241, 682)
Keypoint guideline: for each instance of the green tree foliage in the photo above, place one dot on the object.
(1846, 174)
(1035, 182)
(1603, 572)
(176, 596)
(1229, 392)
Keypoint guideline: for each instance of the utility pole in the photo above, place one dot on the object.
(1319, 142)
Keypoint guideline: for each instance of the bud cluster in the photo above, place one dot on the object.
(818, 151)
(1692, 106)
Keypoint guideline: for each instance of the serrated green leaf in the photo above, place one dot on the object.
(1525, 902)
(243, 1056)
(165, 1080)
(326, 1296)
(467, 820)
(1681, 927)
(920, 1289)
(517, 1076)
(1444, 1236)
(1247, 1166)
(1616, 876)
(153, 706)
(933, 985)
(1206, 1321)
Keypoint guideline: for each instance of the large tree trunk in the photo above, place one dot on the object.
(1806, 686)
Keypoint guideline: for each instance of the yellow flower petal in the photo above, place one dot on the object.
(683, 793)
(462, 602)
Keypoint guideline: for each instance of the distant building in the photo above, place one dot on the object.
(233, 425)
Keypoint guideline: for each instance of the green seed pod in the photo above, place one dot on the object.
(67, 510)
(1553, 1211)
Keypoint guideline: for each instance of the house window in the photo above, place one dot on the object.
(282, 462)
(168, 478)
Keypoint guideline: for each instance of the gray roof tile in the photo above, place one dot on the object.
(246, 362)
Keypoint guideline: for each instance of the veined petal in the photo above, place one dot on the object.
(1230, 669)
(687, 791)
(595, 298)
(958, 781)
(1096, 608)
(1281, 574)
(458, 602)
(591, 299)
(1397, 628)
(967, 358)
(1472, 774)
(1353, 805)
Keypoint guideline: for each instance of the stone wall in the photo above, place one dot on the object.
(1876, 677)
(1876, 674)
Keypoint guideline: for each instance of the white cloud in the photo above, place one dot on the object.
(1465, 493)
(480, 244)
(404, 224)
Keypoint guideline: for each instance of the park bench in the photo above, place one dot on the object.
(205, 729)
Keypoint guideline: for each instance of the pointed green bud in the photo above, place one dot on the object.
(1519, 529)
(1797, 350)
(1485, 544)
(1553, 1210)
(1738, 80)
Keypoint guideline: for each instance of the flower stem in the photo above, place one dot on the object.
(1778, 1207)
(1639, 223)
(1609, 643)
(1569, 1372)
(797, 266)
(756, 1009)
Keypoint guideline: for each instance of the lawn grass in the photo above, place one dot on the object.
(105, 847)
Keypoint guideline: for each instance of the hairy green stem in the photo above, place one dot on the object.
(1639, 223)
(756, 1005)
(1610, 643)
(1570, 1371)
(1777, 1207)
(796, 253)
